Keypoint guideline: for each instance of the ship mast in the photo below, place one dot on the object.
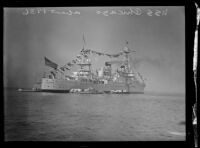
(85, 61)
(127, 65)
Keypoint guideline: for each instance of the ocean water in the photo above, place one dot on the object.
(39, 116)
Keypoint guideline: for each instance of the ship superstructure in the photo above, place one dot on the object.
(123, 79)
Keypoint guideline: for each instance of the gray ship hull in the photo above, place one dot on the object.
(60, 85)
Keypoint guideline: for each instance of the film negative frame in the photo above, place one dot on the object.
(192, 14)
(192, 10)
(195, 69)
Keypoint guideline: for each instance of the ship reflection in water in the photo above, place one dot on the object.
(42, 116)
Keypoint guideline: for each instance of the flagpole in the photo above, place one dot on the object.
(84, 43)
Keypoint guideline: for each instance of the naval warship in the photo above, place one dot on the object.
(122, 80)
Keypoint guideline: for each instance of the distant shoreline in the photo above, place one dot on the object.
(165, 93)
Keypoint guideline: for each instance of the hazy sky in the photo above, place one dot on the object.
(159, 42)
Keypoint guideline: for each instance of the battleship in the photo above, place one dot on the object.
(122, 79)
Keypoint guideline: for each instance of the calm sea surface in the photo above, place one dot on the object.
(38, 116)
